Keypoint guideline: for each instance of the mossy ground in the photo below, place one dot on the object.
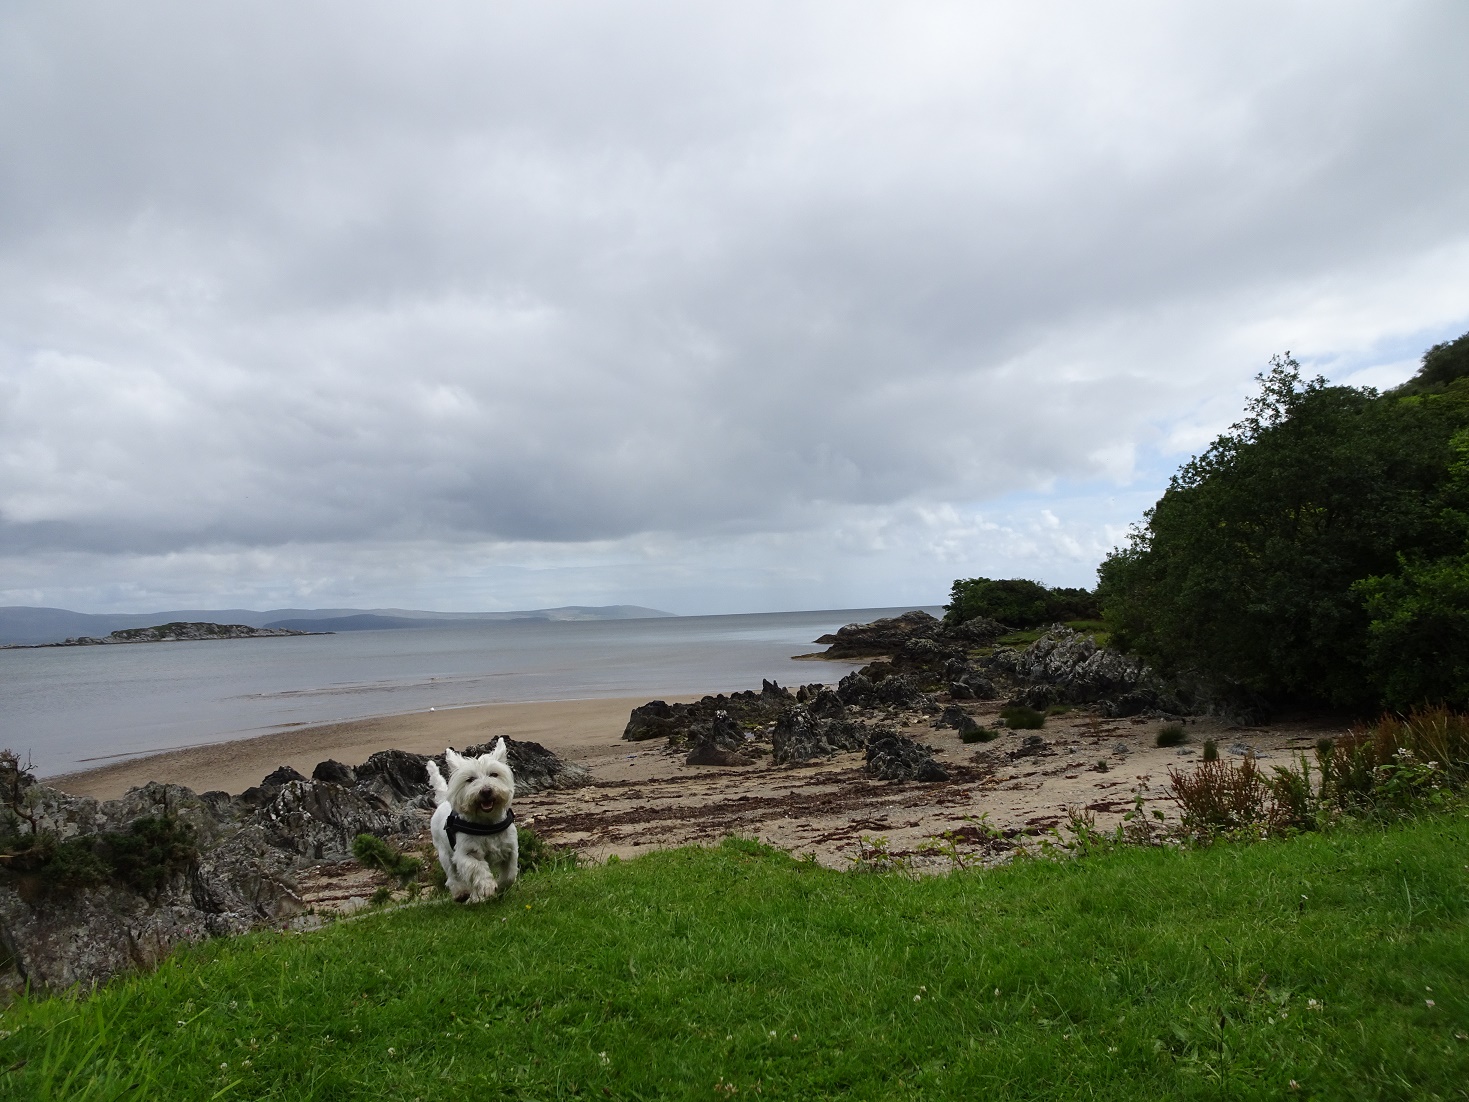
(1336, 962)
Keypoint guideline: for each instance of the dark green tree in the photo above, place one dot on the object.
(1017, 602)
(1290, 557)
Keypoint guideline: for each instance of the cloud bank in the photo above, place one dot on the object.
(788, 305)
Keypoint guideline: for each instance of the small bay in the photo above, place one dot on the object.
(70, 708)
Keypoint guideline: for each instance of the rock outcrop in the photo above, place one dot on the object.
(892, 757)
(915, 633)
(1065, 666)
(686, 724)
(240, 872)
(800, 735)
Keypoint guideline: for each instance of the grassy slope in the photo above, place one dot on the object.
(1135, 974)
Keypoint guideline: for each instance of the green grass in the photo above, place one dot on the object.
(1134, 974)
(1020, 638)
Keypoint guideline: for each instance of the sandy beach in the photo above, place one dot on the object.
(645, 796)
(585, 731)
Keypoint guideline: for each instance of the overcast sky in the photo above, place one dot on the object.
(708, 307)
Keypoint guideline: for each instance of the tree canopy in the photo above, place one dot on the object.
(1017, 602)
(1317, 550)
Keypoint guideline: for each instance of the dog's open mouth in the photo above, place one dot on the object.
(487, 801)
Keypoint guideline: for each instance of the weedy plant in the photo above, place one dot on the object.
(1021, 718)
(1394, 768)
(538, 855)
(374, 853)
(875, 856)
(1172, 735)
(1211, 750)
(978, 734)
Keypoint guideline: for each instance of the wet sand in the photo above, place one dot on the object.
(585, 731)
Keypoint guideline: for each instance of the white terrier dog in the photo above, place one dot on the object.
(473, 827)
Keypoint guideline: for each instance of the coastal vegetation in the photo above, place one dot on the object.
(1017, 602)
(1318, 551)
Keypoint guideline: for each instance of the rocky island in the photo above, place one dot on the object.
(176, 632)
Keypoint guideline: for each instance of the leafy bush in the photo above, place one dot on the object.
(1314, 551)
(1017, 602)
(1211, 750)
(978, 734)
(1172, 735)
(150, 853)
(1021, 718)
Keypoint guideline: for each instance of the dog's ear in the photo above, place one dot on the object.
(500, 750)
(455, 760)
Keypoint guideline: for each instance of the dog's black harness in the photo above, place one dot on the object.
(455, 826)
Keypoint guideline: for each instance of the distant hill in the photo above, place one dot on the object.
(25, 624)
(363, 621)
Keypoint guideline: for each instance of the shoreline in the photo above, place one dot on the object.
(584, 731)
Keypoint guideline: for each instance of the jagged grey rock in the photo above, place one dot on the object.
(249, 849)
(893, 757)
(1066, 666)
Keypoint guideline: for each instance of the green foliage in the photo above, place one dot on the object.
(537, 855)
(375, 853)
(1418, 637)
(1172, 735)
(1022, 718)
(1211, 750)
(1017, 603)
(1442, 364)
(978, 734)
(1311, 552)
(1135, 973)
(150, 853)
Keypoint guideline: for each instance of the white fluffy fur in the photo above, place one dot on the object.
(480, 790)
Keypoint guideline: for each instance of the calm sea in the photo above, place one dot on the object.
(74, 707)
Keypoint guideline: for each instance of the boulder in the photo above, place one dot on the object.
(686, 724)
(708, 752)
(975, 633)
(960, 720)
(801, 736)
(536, 769)
(892, 757)
(874, 685)
(334, 772)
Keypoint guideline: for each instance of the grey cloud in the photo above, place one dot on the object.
(322, 273)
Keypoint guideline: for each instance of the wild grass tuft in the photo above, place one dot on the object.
(1172, 735)
(375, 853)
(1022, 718)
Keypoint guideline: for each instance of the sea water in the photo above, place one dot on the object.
(72, 708)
